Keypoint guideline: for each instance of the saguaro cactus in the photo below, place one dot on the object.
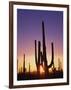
(41, 57)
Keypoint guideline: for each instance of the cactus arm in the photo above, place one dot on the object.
(36, 52)
(52, 60)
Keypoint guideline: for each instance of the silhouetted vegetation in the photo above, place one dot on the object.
(34, 75)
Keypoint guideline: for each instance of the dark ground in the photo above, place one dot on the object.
(35, 76)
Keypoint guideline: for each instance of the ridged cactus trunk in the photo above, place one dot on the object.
(44, 50)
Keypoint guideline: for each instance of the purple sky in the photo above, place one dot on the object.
(29, 28)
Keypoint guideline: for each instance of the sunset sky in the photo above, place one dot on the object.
(29, 28)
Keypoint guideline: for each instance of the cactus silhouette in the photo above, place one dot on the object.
(40, 56)
(24, 69)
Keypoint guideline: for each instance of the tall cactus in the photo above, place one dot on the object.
(41, 57)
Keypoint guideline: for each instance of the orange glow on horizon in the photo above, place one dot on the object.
(31, 60)
(41, 69)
